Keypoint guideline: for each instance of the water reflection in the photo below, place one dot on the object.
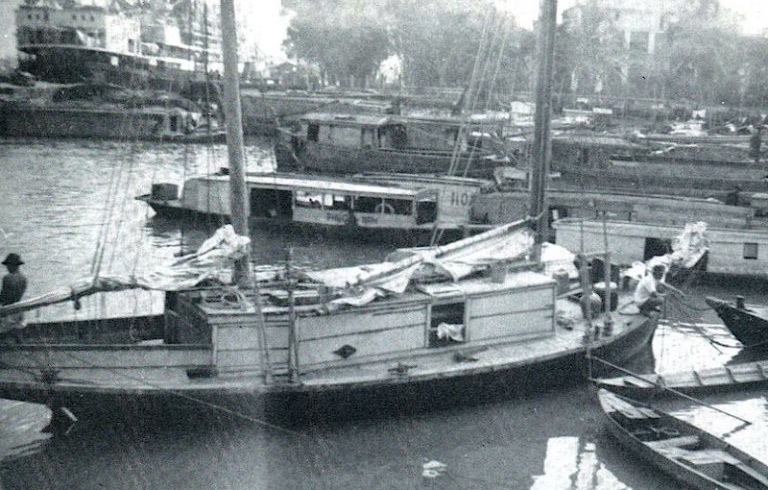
(21, 426)
(572, 464)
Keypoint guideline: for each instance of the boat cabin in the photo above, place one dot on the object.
(423, 321)
(317, 201)
(383, 133)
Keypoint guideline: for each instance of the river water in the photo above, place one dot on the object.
(61, 199)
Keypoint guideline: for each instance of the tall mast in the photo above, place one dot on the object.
(545, 48)
(234, 119)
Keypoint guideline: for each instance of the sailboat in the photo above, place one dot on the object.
(477, 317)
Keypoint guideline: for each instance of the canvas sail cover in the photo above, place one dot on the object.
(214, 256)
(363, 284)
(687, 249)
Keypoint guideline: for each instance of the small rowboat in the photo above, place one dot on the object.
(748, 323)
(683, 451)
(697, 381)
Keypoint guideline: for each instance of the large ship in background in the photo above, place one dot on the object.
(70, 42)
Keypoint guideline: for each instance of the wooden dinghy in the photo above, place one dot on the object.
(748, 323)
(695, 381)
(683, 451)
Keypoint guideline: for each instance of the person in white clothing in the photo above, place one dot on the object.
(647, 295)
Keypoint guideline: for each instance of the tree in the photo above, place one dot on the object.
(590, 54)
(346, 39)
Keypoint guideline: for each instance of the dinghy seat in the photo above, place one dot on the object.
(683, 442)
(710, 462)
(675, 447)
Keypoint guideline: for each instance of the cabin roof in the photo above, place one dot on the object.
(311, 183)
(347, 119)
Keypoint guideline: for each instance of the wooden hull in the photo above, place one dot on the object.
(749, 326)
(132, 392)
(695, 382)
(73, 64)
(679, 449)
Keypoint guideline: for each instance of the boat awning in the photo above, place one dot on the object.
(331, 186)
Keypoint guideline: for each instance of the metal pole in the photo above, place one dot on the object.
(234, 120)
(545, 47)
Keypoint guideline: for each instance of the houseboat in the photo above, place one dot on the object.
(732, 250)
(349, 144)
(358, 203)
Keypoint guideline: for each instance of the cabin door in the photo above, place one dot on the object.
(271, 203)
(426, 212)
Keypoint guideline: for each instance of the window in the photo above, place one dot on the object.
(364, 204)
(313, 132)
(309, 199)
(396, 206)
(750, 251)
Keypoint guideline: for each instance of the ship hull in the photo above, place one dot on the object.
(76, 64)
(288, 403)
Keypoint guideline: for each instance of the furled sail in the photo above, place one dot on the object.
(363, 284)
(214, 256)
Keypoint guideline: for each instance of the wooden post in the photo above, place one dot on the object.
(545, 47)
(586, 296)
(608, 321)
(293, 350)
(234, 120)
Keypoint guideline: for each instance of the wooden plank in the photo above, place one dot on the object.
(395, 341)
(511, 325)
(246, 337)
(338, 326)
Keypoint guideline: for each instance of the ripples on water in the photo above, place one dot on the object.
(56, 195)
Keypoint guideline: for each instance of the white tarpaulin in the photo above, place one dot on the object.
(687, 248)
(363, 284)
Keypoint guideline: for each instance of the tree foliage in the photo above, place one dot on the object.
(345, 38)
(438, 41)
(698, 58)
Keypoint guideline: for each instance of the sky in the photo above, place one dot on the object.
(267, 27)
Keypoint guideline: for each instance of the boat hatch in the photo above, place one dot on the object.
(655, 247)
(446, 326)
